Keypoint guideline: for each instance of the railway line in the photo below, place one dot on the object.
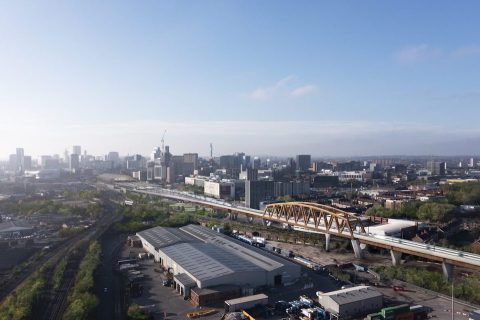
(58, 299)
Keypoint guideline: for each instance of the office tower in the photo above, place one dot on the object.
(12, 162)
(74, 162)
(66, 158)
(303, 162)
(257, 163)
(191, 158)
(77, 150)
(471, 163)
(252, 174)
(27, 163)
(437, 168)
(156, 153)
(257, 192)
(20, 159)
(113, 156)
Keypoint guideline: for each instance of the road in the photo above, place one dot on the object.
(111, 302)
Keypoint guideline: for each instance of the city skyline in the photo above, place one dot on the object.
(267, 78)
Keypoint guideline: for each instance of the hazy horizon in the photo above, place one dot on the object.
(280, 78)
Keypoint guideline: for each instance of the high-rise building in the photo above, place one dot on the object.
(257, 163)
(257, 192)
(113, 156)
(27, 163)
(77, 150)
(471, 163)
(303, 162)
(20, 159)
(66, 158)
(191, 158)
(43, 160)
(74, 162)
(156, 153)
(437, 168)
(252, 174)
(12, 162)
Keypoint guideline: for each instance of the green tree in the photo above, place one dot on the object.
(135, 313)
(433, 211)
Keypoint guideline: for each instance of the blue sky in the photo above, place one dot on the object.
(264, 77)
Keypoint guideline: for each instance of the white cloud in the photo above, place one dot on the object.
(422, 52)
(412, 54)
(283, 87)
(265, 93)
(303, 90)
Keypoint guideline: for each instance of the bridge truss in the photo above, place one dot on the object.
(321, 217)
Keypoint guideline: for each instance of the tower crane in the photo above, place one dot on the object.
(163, 141)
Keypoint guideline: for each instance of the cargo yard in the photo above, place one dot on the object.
(187, 273)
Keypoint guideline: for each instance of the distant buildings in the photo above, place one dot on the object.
(77, 150)
(437, 168)
(74, 162)
(257, 192)
(303, 162)
(219, 189)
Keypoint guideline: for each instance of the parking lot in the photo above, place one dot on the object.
(168, 303)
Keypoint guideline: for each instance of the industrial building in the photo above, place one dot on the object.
(15, 230)
(208, 266)
(351, 302)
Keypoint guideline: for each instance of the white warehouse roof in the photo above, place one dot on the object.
(350, 295)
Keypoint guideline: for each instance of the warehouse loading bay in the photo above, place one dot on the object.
(162, 278)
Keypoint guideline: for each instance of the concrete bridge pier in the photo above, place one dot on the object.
(233, 216)
(396, 257)
(447, 269)
(358, 249)
(327, 242)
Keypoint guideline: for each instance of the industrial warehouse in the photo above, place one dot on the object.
(209, 267)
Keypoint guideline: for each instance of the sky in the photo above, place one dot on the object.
(329, 78)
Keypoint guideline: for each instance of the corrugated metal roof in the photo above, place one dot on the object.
(185, 279)
(14, 226)
(205, 261)
(256, 256)
(160, 237)
(353, 294)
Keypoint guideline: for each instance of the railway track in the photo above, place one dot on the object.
(51, 257)
(58, 299)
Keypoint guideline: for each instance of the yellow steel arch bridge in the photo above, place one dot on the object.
(308, 214)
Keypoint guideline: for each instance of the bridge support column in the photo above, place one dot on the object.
(327, 242)
(396, 257)
(357, 249)
(447, 269)
(233, 216)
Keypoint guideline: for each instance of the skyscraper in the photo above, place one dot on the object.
(74, 162)
(77, 150)
(20, 159)
(303, 162)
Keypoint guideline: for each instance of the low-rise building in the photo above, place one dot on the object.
(219, 189)
(351, 302)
